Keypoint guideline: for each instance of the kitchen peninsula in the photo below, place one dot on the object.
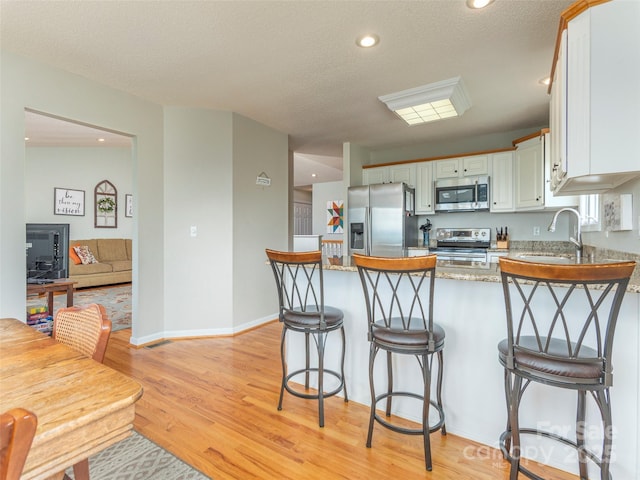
(469, 305)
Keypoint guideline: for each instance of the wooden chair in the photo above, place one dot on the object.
(17, 428)
(561, 321)
(299, 281)
(87, 330)
(399, 295)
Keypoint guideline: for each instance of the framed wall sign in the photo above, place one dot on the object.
(128, 205)
(68, 202)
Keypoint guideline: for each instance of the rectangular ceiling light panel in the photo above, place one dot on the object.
(428, 103)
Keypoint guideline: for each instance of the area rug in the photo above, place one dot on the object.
(116, 301)
(138, 458)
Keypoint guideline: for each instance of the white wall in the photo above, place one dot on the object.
(78, 168)
(625, 241)
(323, 193)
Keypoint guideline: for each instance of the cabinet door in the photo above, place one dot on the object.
(551, 200)
(403, 173)
(447, 168)
(557, 159)
(424, 188)
(529, 172)
(372, 176)
(501, 187)
(475, 165)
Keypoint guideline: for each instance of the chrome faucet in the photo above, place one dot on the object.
(576, 241)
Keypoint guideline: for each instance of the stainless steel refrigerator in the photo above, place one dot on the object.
(382, 220)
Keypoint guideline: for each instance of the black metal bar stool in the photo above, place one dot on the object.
(560, 326)
(302, 309)
(399, 298)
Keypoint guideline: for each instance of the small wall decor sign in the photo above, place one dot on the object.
(335, 210)
(68, 202)
(128, 205)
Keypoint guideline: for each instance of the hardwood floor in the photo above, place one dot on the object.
(212, 402)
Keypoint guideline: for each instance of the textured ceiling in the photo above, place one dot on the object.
(294, 65)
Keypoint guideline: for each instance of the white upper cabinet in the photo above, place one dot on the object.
(372, 176)
(529, 174)
(405, 172)
(551, 200)
(462, 167)
(424, 188)
(602, 98)
(501, 186)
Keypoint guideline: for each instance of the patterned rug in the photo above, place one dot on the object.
(116, 300)
(138, 458)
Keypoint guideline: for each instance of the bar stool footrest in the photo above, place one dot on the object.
(313, 396)
(410, 431)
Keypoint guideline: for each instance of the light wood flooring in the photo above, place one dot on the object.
(212, 402)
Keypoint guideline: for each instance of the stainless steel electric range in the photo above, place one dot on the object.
(462, 247)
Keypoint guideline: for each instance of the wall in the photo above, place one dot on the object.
(625, 241)
(323, 193)
(198, 188)
(449, 147)
(77, 168)
(261, 217)
(26, 83)
(205, 174)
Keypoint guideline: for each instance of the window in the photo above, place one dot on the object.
(590, 213)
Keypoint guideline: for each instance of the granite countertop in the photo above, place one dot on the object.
(492, 274)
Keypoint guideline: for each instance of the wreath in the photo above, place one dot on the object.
(106, 205)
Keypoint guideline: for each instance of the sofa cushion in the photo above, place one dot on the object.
(85, 254)
(110, 249)
(120, 265)
(90, 268)
(92, 244)
(73, 256)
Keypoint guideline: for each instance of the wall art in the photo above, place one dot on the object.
(68, 202)
(106, 205)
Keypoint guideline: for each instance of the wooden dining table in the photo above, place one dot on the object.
(82, 406)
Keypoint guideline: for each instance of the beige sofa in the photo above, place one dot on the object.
(114, 263)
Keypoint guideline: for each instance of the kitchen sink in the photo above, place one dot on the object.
(546, 258)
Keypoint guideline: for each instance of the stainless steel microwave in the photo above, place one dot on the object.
(465, 194)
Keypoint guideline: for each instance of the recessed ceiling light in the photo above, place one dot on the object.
(545, 81)
(478, 3)
(367, 41)
(313, 175)
(101, 139)
(26, 139)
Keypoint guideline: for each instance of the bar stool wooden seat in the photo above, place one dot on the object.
(561, 321)
(300, 286)
(399, 296)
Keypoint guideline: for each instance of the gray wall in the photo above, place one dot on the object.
(201, 175)
(26, 83)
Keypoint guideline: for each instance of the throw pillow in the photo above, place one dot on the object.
(84, 252)
(74, 256)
